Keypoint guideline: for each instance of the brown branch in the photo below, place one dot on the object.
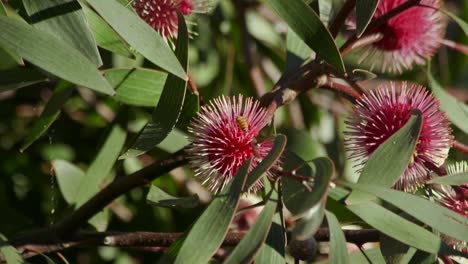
(248, 50)
(154, 240)
(460, 146)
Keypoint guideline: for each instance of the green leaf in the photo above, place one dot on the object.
(51, 54)
(68, 178)
(141, 36)
(436, 216)
(2, 9)
(399, 149)
(64, 19)
(19, 77)
(167, 111)
(102, 165)
(456, 111)
(365, 10)
(209, 230)
(106, 37)
(297, 198)
(338, 248)
(307, 25)
(273, 250)
(329, 9)
(455, 179)
(268, 161)
(297, 51)
(11, 255)
(140, 87)
(397, 227)
(158, 197)
(310, 222)
(189, 111)
(9, 59)
(248, 247)
(463, 25)
(51, 111)
(174, 141)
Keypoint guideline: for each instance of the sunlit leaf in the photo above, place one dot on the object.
(388, 162)
(338, 248)
(307, 25)
(158, 197)
(51, 54)
(64, 19)
(167, 112)
(105, 36)
(253, 240)
(456, 111)
(141, 36)
(436, 216)
(209, 230)
(454, 179)
(140, 87)
(11, 255)
(273, 250)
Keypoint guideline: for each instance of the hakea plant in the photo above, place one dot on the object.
(410, 37)
(383, 111)
(224, 136)
(455, 199)
(162, 14)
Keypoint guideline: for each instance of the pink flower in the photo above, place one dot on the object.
(409, 38)
(223, 137)
(382, 112)
(162, 14)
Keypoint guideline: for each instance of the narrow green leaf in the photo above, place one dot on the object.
(158, 197)
(10, 254)
(338, 248)
(463, 25)
(329, 9)
(399, 149)
(209, 230)
(68, 178)
(297, 198)
(19, 77)
(268, 161)
(397, 227)
(248, 247)
(141, 36)
(2, 9)
(365, 10)
(297, 51)
(167, 111)
(456, 111)
(310, 221)
(372, 254)
(51, 111)
(273, 250)
(436, 216)
(51, 54)
(455, 179)
(307, 25)
(189, 111)
(102, 165)
(106, 37)
(9, 59)
(64, 19)
(140, 87)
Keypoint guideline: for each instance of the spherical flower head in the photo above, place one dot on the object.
(162, 14)
(223, 137)
(411, 37)
(382, 112)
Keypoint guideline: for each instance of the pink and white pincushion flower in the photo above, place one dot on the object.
(223, 137)
(409, 38)
(162, 14)
(382, 112)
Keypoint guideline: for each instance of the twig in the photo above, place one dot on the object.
(194, 88)
(460, 146)
(346, 90)
(248, 51)
(144, 240)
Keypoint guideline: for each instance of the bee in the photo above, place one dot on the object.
(242, 123)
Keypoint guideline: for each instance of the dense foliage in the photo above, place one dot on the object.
(234, 131)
